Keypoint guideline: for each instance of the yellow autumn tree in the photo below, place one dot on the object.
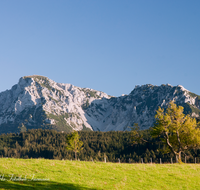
(178, 131)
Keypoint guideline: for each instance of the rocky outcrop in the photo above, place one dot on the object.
(39, 102)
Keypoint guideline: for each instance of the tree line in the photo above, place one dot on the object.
(113, 145)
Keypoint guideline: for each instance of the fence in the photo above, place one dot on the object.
(196, 160)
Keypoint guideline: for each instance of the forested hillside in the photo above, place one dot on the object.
(51, 144)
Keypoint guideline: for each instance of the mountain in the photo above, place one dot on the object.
(39, 102)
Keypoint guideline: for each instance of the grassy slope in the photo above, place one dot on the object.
(91, 175)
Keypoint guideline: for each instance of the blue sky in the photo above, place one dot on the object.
(106, 45)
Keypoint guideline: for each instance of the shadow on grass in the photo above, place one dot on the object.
(30, 185)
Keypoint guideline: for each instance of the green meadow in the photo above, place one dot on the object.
(65, 174)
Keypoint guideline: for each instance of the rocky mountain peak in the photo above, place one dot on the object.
(39, 102)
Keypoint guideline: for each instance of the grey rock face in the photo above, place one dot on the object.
(139, 107)
(38, 102)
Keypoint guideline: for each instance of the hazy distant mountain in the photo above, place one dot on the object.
(39, 102)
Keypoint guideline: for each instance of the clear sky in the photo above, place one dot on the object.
(106, 45)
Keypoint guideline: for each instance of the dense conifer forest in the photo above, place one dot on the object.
(113, 145)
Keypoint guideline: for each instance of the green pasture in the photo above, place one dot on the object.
(65, 174)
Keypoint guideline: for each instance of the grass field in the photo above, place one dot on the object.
(57, 174)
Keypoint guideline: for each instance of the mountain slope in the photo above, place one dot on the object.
(39, 102)
(139, 107)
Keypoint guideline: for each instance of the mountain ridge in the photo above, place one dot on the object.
(39, 102)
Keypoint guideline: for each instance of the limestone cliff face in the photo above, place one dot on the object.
(39, 102)
(139, 107)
